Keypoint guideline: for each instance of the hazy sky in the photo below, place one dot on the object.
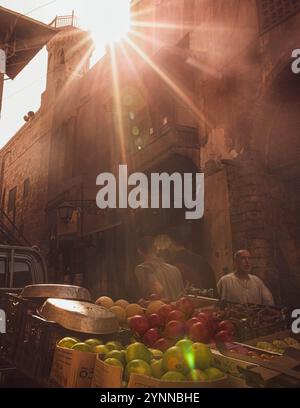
(24, 92)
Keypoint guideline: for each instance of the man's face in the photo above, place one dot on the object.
(243, 262)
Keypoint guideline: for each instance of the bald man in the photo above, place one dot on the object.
(242, 287)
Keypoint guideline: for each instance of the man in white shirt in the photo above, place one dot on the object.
(242, 287)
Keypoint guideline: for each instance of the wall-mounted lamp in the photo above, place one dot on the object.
(65, 212)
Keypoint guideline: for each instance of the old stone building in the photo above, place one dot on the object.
(202, 85)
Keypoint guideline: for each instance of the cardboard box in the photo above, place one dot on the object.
(72, 368)
(107, 376)
(141, 381)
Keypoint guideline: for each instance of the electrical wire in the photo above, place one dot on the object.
(40, 7)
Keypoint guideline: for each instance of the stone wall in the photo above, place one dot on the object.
(263, 221)
(26, 157)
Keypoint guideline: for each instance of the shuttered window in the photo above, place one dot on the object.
(12, 199)
(273, 12)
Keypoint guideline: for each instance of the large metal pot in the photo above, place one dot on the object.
(80, 316)
(56, 291)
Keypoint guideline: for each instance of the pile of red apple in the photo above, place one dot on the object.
(174, 321)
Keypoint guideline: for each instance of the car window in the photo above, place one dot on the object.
(2, 273)
(22, 275)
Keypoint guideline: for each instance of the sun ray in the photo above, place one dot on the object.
(110, 23)
(142, 12)
(118, 102)
(79, 67)
(161, 25)
(147, 38)
(74, 75)
(165, 77)
(204, 68)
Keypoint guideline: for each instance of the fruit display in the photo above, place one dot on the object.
(278, 346)
(185, 361)
(90, 345)
(256, 315)
(249, 321)
(121, 308)
(163, 324)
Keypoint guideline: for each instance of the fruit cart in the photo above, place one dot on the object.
(29, 344)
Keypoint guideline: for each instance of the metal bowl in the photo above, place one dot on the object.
(80, 316)
(56, 291)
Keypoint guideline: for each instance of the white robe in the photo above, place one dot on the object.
(253, 290)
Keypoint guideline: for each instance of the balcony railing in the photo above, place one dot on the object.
(65, 21)
(169, 140)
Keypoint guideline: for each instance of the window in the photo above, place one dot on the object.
(26, 188)
(3, 283)
(12, 199)
(22, 275)
(3, 198)
(62, 57)
(272, 13)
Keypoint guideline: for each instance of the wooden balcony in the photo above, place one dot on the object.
(170, 140)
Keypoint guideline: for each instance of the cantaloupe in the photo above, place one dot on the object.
(105, 301)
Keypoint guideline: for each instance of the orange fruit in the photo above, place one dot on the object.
(119, 312)
(202, 356)
(173, 376)
(114, 362)
(134, 309)
(82, 347)
(101, 349)
(157, 368)
(184, 344)
(213, 373)
(174, 360)
(197, 375)
(116, 354)
(138, 367)
(68, 342)
(122, 303)
(154, 307)
(105, 301)
(138, 351)
(114, 345)
(156, 354)
(93, 343)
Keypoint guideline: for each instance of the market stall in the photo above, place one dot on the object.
(58, 337)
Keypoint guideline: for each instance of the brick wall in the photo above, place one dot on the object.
(263, 221)
(28, 159)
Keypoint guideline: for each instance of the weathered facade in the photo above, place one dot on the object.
(208, 87)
